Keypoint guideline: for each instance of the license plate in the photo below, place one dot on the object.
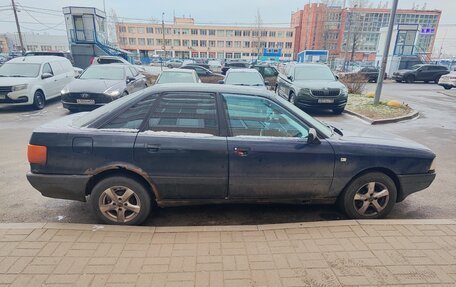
(326, 101)
(85, 102)
(2, 97)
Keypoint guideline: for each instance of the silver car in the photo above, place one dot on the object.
(173, 63)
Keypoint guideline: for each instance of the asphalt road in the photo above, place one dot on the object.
(435, 128)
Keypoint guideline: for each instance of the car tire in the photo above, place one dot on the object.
(39, 100)
(409, 79)
(125, 93)
(170, 66)
(338, 111)
(369, 196)
(447, 87)
(120, 200)
(292, 98)
(73, 110)
(398, 81)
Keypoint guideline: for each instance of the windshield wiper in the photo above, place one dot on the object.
(257, 85)
(16, 76)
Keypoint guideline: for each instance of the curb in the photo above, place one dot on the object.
(413, 115)
(225, 228)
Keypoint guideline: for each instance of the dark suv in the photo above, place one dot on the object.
(421, 72)
(312, 86)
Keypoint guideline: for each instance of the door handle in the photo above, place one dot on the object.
(241, 151)
(153, 147)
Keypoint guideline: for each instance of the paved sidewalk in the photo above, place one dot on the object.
(334, 253)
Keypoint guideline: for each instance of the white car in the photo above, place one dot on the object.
(215, 66)
(448, 81)
(32, 80)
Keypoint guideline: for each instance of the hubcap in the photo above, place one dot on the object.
(371, 198)
(119, 204)
(292, 99)
(39, 100)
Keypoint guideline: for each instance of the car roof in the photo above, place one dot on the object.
(179, 71)
(243, 70)
(37, 59)
(210, 88)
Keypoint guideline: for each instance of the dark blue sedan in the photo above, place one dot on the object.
(203, 144)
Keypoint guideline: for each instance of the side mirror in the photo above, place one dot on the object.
(266, 83)
(46, 76)
(221, 82)
(130, 79)
(312, 136)
(290, 78)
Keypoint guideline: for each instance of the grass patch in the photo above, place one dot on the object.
(364, 105)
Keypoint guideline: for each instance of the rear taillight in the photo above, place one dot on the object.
(37, 154)
(91, 60)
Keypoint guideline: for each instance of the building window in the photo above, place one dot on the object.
(220, 55)
(272, 33)
(185, 31)
(123, 41)
(176, 43)
(194, 31)
(168, 42)
(131, 30)
(141, 41)
(150, 42)
(237, 44)
(140, 30)
(246, 44)
(122, 29)
(280, 34)
(229, 44)
(279, 45)
(255, 33)
(158, 31)
(245, 54)
(220, 44)
(203, 43)
(220, 33)
(246, 33)
(211, 32)
(229, 33)
(194, 43)
(149, 30)
(237, 55)
(176, 31)
(289, 34)
(271, 45)
(264, 33)
(229, 55)
(211, 43)
(288, 45)
(237, 33)
(168, 31)
(203, 32)
(132, 41)
(186, 43)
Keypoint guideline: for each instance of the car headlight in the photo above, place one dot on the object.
(113, 93)
(433, 165)
(305, 91)
(65, 91)
(19, 87)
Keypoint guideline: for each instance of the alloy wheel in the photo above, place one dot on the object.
(119, 204)
(371, 199)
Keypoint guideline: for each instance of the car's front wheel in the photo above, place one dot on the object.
(292, 98)
(369, 196)
(120, 200)
(410, 79)
(39, 101)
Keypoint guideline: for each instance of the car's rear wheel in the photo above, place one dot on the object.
(410, 79)
(292, 98)
(369, 196)
(120, 200)
(39, 101)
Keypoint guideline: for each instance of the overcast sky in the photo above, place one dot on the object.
(273, 12)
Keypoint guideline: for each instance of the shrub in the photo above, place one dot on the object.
(355, 83)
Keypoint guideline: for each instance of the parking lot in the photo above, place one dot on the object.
(435, 128)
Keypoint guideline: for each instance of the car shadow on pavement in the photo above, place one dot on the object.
(24, 109)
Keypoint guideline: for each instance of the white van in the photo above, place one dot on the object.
(32, 80)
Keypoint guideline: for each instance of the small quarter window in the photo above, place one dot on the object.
(133, 116)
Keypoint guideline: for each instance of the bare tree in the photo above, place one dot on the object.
(257, 31)
(111, 27)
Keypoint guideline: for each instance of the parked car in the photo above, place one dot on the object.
(3, 59)
(102, 60)
(370, 73)
(32, 80)
(312, 86)
(215, 66)
(269, 73)
(177, 145)
(173, 63)
(178, 76)
(234, 65)
(245, 77)
(205, 75)
(448, 81)
(99, 85)
(421, 72)
(51, 53)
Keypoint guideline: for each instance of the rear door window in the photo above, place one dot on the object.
(47, 69)
(185, 113)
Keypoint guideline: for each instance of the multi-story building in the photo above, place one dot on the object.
(185, 39)
(353, 33)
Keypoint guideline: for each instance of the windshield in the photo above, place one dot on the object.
(244, 79)
(103, 73)
(25, 70)
(314, 122)
(313, 73)
(415, 67)
(175, 77)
